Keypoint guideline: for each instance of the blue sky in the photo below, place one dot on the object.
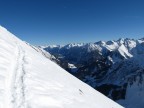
(41, 22)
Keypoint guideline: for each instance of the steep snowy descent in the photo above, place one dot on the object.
(29, 80)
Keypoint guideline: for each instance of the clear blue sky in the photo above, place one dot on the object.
(42, 22)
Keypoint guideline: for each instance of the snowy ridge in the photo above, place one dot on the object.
(29, 80)
(124, 46)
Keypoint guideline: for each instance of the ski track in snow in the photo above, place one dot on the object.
(18, 86)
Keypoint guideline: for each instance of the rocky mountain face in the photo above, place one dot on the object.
(111, 67)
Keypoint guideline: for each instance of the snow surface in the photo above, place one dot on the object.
(72, 67)
(30, 80)
(123, 51)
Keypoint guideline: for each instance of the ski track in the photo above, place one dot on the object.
(18, 86)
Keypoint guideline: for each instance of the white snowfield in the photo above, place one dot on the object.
(29, 80)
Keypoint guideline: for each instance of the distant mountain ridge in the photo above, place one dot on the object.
(111, 67)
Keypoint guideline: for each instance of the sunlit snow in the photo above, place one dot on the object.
(30, 80)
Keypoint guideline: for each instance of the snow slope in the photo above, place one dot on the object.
(30, 80)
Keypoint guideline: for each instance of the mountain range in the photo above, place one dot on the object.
(114, 68)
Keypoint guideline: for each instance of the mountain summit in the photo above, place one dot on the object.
(30, 80)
